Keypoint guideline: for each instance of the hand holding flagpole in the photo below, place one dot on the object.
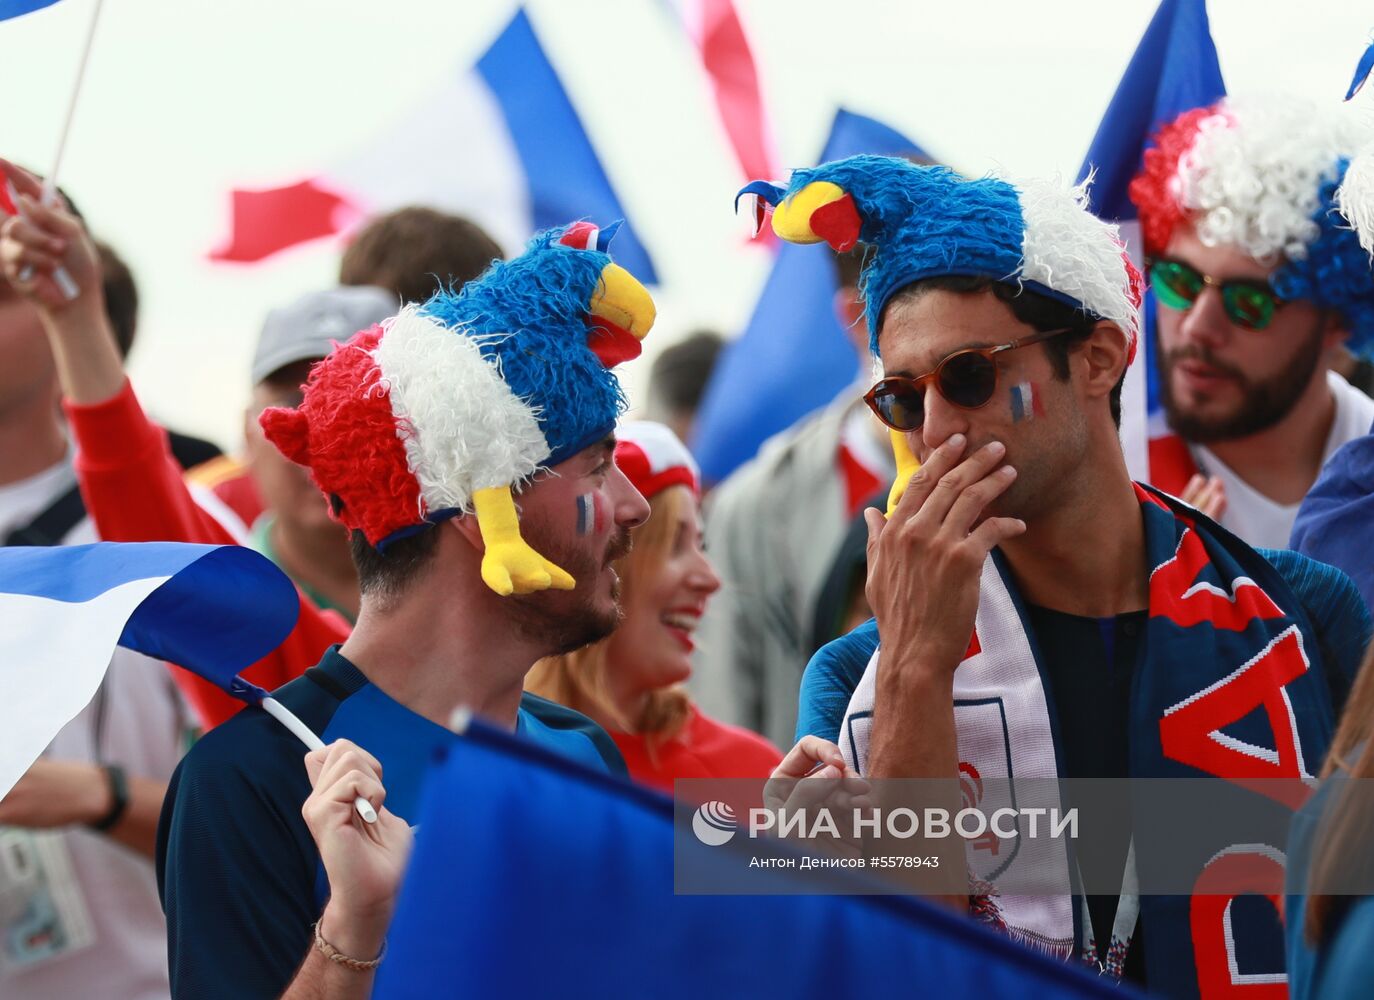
(307, 736)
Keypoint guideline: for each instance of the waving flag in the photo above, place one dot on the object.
(1174, 68)
(794, 356)
(14, 8)
(582, 864)
(715, 30)
(1362, 71)
(500, 144)
(212, 609)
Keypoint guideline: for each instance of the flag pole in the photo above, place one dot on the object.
(76, 93)
(64, 280)
(306, 735)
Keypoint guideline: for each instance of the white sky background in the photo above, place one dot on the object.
(186, 99)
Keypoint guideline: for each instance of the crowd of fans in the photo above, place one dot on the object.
(642, 623)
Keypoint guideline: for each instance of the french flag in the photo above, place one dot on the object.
(63, 610)
(500, 144)
(1174, 68)
(716, 32)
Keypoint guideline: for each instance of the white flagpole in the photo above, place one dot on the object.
(61, 276)
(307, 736)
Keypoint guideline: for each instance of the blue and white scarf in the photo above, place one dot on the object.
(1230, 685)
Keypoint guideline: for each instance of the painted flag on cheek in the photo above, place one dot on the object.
(212, 609)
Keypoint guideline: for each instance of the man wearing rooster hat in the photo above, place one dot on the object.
(1038, 614)
(467, 444)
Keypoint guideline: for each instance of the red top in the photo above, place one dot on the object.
(228, 479)
(1171, 464)
(704, 749)
(134, 492)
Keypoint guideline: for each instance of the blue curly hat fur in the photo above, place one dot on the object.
(926, 221)
(527, 316)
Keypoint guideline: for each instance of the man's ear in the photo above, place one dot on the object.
(1334, 332)
(1104, 355)
(466, 526)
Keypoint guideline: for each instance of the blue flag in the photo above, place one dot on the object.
(1362, 70)
(794, 356)
(1174, 69)
(562, 171)
(534, 876)
(14, 8)
(212, 609)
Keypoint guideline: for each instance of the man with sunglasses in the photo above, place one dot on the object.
(1258, 282)
(1037, 614)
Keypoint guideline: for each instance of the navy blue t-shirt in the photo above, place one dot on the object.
(240, 878)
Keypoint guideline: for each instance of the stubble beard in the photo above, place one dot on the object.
(567, 620)
(1263, 404)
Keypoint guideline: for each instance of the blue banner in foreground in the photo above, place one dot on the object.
(535, 876)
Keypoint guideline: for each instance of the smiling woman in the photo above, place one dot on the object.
(631, 683)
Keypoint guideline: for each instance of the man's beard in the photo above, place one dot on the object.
(1263, 404)
(566, 620)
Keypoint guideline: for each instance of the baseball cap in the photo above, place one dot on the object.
(654, 458)
(308, 327)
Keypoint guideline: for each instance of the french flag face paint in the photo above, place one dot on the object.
(1025, 402)
(590, 514)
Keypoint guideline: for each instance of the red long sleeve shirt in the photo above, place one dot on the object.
(134, 492)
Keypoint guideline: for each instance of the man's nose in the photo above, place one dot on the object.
(943, 419)
(631, 509)
(1206, 324)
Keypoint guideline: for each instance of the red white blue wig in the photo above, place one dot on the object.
(1262, 175)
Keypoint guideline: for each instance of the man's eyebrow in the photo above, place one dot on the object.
(907, 373)
(603, 449)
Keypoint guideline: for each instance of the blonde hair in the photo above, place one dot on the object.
(1348, 820)
(581, 679)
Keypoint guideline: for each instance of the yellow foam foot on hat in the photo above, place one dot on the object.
(510, 566)
(906, 467)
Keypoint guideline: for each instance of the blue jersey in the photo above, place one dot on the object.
(240, 877)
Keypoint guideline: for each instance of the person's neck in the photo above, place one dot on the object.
(1281, 462)
(1086, 555)
(624, 703)
(32, 440)
(628, 701)
(442, 644)
(320, 559)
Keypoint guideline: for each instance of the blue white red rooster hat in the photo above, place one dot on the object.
(1262, 175)
(928, 221)
(451, 406)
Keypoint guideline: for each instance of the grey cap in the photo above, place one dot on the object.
(306, 329)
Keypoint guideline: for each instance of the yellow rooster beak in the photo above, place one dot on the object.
(619, 315)
(623, 302)
(819, 212)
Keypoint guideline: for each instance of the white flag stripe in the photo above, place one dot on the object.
(452, 152)
(66, 650)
